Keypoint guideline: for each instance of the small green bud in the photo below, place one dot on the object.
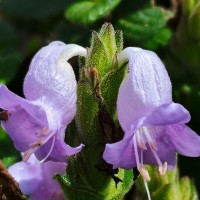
(107, 35)
(104, 49)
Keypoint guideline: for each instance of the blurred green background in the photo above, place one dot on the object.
(170, 28)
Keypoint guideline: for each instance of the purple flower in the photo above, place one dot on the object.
(36, 179)
(154, 125)
(37, 124)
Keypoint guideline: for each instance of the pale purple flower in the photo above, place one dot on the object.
(36, 179)
(154, 125)
(37, 124)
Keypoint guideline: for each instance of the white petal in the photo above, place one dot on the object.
(146, 86)
(50, 81)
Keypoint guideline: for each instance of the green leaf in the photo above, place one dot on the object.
(187, 189)
(167, 187)
(86, 12)
(72, 191)
(160, 39)
(119, 40)
(113, 193)
(147, 27)
(167, 192)
(83, 169)
(86, 117)
(104, 50)
(97, 55)
(110, 86)
(82, 179)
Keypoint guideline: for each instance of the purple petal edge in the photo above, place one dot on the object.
(185, 140)
(120, 154)
(168, 114)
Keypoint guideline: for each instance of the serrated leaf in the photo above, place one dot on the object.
(147, 26)
(113, 193)
(86, 12)
(72, 191)
(105, 188)
(82, 174)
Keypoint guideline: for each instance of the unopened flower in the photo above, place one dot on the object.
(154, 125)
(37, 124)
(36, 179)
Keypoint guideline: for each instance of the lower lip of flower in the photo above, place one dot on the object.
(141, 138)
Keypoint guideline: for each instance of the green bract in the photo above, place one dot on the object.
(89, 176)
(167, 187)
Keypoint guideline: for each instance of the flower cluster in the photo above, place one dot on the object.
(153, 124)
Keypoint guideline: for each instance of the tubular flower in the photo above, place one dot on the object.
(154, 125)
(36, 179)
(37, 124)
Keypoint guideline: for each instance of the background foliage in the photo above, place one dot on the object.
(171, 28)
